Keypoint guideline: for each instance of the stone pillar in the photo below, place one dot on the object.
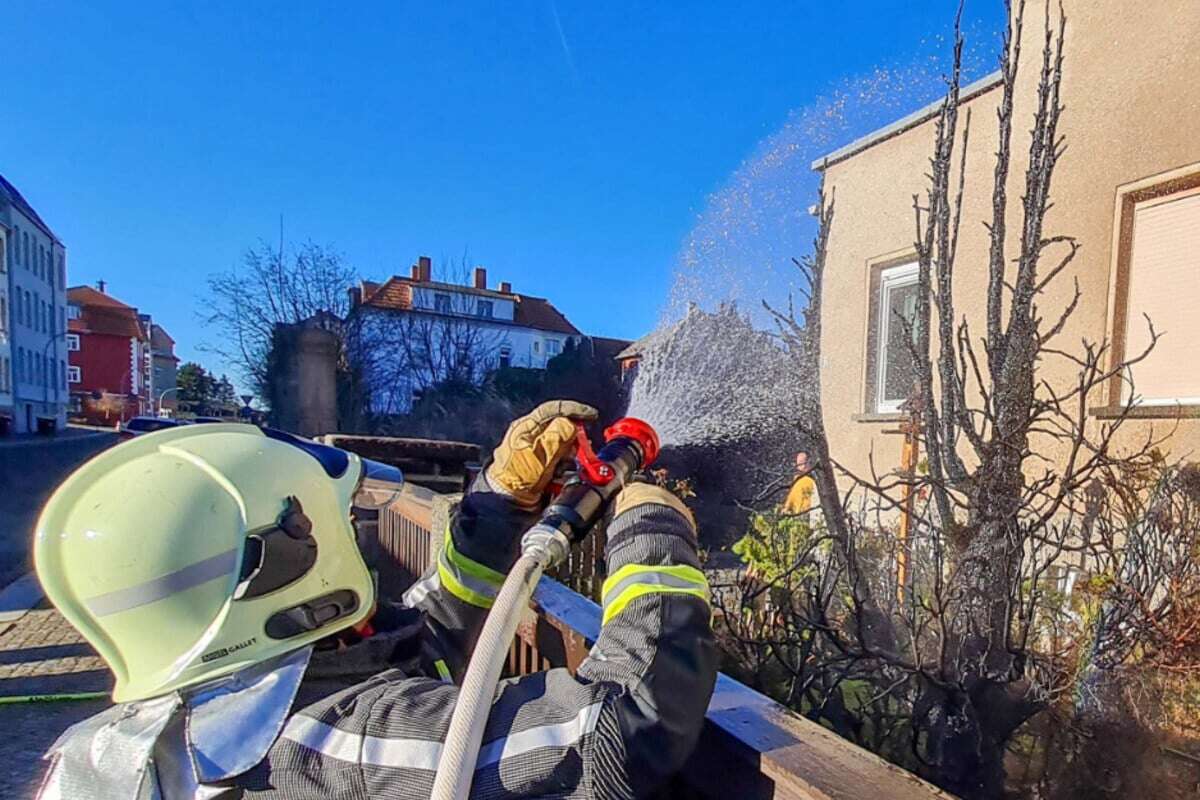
(304, 380)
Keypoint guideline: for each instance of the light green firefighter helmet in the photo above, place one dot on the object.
(198, 551)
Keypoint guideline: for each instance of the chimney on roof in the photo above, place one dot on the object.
(355, 296)
(416, 273)
(505, 287)
(425, 269)
(100, 286)
(480, 278)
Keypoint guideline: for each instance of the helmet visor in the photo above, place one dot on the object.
(379, 485)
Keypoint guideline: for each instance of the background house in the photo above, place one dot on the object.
(164, 365)
(32, 316)
(110, 371)
(416, 332)
(1128, 188)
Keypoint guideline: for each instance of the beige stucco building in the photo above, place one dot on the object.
(1128, 188)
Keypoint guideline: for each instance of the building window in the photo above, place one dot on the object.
(537, 346)
(441, 303)
(72, 311)
(1159, 278)
(25, 249)
(553, 347)
(484, 309)
(895, 310)
(73, 375)
(3, 313)
(505, 357)
(72, 342)
(4, 256)
(62, 272)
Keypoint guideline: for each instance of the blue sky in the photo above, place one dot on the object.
(568, 147)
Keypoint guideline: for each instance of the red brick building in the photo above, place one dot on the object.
(109, 370)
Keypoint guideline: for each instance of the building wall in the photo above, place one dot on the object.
(6, 376)
(165, 370)
(36, 280)
(525, 347)
(1133, 111)
(104, 363)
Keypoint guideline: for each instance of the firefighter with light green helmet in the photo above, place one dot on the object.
(239, 548)
(216, 570)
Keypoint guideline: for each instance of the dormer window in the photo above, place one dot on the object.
(441, 303)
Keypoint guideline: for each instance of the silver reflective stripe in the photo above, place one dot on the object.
(419, 591)
(653, 578)
(562, 734)
(421, 754)
(325, 739)
(160, 588)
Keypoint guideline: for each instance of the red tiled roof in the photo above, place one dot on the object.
(104, 314)
(393, 293)
(540, 313)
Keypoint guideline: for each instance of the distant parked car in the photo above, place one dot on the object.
(140, 425)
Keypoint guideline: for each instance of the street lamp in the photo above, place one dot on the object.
(165, 392)
(51, 338)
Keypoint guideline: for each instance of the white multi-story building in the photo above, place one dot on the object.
(419, 332)
(33, 317)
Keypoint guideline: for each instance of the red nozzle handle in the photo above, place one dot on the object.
(597, 471)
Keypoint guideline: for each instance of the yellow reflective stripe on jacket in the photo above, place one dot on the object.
(467, 580)
(637, 580)
(443, 671)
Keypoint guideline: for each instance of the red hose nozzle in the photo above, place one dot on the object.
(640, 432)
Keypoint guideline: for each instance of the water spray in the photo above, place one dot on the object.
(630, 445)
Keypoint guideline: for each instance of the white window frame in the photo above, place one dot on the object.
(553, 348)
(74, 374)
(72, 342)
(898, 277)
(72, 311)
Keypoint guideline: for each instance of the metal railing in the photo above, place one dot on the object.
(751, 746)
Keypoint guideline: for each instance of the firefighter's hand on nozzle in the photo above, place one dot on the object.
(524, 462)
(639, 495)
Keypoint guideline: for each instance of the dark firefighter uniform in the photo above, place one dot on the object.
(616, 729)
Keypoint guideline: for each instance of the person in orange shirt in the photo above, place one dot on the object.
(800, 497)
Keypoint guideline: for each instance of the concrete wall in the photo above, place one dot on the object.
(1133, 112)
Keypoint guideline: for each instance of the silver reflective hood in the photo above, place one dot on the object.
(167, 748)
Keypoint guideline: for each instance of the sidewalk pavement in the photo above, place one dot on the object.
(40, 654)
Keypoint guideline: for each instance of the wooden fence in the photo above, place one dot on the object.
(751, 746)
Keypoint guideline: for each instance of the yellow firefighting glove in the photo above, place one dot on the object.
(640, 494)
(525, 461)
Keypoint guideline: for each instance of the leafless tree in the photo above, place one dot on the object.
(272, 287)
(1015, 488)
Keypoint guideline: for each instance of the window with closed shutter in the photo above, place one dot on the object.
(1164, 285)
